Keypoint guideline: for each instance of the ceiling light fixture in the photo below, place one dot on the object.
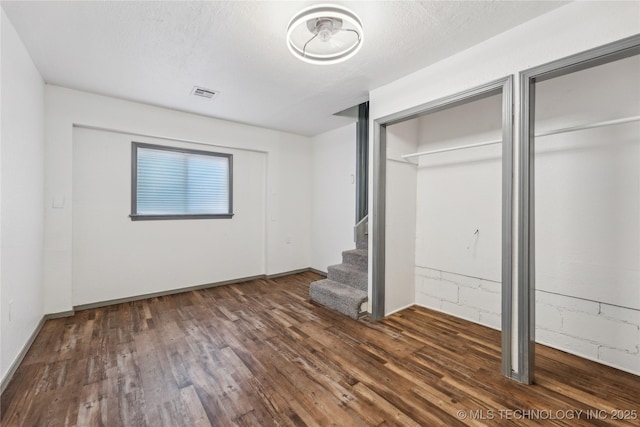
(325, 34)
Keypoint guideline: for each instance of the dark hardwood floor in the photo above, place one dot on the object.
(260, 354)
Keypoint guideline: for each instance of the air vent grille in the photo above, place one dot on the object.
(203, 92)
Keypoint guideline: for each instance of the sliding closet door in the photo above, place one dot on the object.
(400, 224)
(587, 211)
(579, 227)
(442, 218)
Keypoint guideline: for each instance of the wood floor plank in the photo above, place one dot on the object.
(197, 416)
(260, 354)
(92, 409)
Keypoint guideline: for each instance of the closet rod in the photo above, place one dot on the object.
(547, 133)
(460, 147)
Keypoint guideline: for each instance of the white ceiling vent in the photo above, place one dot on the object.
(204, 93)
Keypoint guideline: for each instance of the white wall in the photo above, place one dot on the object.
(2, 369)
(588, 185)
(459, 208)
(562, 32)
(460, 192)
(334, 195)
(22, 155)
(402, 138)
(287, 184)
(114, 257)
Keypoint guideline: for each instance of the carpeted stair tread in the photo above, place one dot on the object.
(345, 288)
(349, 275)
(338, 296)
(356, 257)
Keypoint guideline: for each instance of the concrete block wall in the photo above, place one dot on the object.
(605, 333)
(470, 298)
(601, 332)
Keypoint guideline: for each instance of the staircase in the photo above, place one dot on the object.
(345, 288)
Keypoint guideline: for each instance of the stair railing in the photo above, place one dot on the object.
(361, 229)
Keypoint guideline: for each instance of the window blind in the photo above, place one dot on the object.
(174, 182)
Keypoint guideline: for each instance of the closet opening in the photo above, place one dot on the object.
(579, 208)
(442, 209)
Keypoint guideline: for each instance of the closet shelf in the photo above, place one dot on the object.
(546, 133)
(590, 126)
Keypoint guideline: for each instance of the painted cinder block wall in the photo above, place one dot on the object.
(597, 331)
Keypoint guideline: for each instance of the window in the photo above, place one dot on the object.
(176, 183)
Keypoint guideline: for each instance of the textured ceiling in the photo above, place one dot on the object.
(155, 52)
